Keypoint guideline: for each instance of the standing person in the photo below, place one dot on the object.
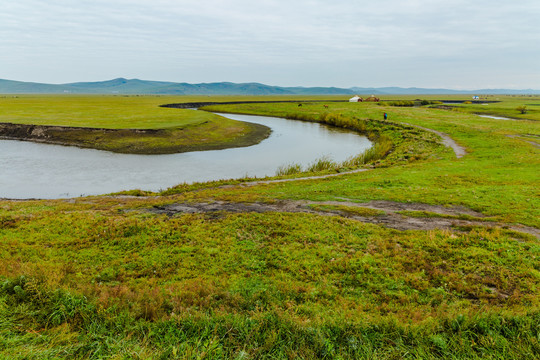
(385, 116)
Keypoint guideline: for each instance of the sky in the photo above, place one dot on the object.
(454, 44)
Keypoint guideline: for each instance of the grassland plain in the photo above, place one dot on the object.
(107, 277)
(126, 124)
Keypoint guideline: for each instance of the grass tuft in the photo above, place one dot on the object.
(290, 169)
(322, 164)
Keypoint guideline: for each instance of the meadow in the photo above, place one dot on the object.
(125, 124)
(124, 276)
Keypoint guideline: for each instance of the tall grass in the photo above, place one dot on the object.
(330, 118)
(290, 169)
(383, 144)
(401, 103)
(378, 151)
(57, 324)
(322, 164)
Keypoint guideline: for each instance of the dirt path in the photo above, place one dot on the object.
(253, 183)
(535, 144)
(446, 140)
(389, 213)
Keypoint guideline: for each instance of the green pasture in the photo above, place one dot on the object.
(109, 112)
(177, 130)
(108, 277)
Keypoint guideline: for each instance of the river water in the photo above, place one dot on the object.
(31, 170)
(495, 117)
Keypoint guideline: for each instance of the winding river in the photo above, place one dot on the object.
(32, 170)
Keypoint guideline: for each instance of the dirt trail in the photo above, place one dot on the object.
(389, 217)
(446, 140)
(253, 183)
(519, 137)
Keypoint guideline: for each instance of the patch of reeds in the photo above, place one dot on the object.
(322, 164)
(301, 116)
(431, 102)
(376, 152)
(290, 169)
(402, 103)
(330, 118)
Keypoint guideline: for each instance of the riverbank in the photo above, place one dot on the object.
(199, 137)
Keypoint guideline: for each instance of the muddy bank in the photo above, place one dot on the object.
(46, 133)
(136, 141)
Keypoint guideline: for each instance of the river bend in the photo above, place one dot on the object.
(32, 170)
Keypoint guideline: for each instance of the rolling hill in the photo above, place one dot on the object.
(142, 87)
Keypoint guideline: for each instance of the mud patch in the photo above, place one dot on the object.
(390, 215)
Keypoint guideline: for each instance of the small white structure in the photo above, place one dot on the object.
(355, 98)
(476, 97)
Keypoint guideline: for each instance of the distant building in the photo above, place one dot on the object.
(355, 98)
(373, 98)
(476, 97)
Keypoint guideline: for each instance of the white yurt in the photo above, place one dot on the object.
(355, 98)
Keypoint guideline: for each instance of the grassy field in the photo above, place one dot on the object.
(109, 123)
(114, 277)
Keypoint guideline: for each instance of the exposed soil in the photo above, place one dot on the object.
(49, 134)
(390, 218)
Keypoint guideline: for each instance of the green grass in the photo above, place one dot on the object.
(103, 277)
(429, 214)
(352, 210)
(159, 130)
(109, 112)
(269, 285)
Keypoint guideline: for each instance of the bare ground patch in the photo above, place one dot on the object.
(391, 213)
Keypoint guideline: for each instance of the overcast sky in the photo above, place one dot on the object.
(454, 44)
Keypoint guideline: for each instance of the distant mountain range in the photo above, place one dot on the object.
(143, 87)
(425, 91)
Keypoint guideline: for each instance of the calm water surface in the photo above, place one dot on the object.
(30, 170)
(495, 117)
